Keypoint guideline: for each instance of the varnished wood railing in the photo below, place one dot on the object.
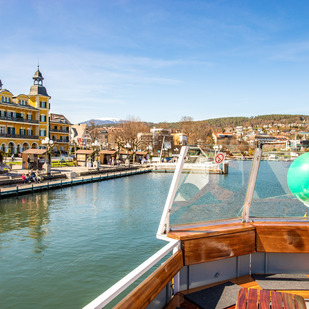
(142, 296)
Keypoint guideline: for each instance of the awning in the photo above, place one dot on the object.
(35, 151)
(83, 151)
(110, 152)
(141, 153)
(125, 152)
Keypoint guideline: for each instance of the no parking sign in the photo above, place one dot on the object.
(219, 157)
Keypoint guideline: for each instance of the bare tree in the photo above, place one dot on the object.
(127, 134)
(92, 131)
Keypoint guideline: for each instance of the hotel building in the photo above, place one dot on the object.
(25, 119)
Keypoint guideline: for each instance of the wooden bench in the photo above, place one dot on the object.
(265, 299)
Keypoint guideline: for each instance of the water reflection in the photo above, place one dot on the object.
(28, 212)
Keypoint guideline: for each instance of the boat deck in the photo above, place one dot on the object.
(179, 300)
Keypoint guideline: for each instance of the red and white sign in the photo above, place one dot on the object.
(219, 158)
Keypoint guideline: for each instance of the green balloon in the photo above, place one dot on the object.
(298, 178)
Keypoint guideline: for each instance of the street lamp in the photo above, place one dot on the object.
(48, 144)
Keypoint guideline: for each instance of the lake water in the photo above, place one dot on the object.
(63, 248)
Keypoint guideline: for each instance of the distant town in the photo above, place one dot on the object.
(27, 123)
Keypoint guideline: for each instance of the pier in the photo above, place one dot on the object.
(61, 183)
(211, 167)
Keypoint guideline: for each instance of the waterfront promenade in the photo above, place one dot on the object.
(11, 183)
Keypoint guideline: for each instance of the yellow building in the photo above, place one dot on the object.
(59, 131)
(24, 119)
(19, 123)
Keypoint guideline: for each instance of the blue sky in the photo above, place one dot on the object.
(159, 60)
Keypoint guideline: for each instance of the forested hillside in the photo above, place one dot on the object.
(255, 121)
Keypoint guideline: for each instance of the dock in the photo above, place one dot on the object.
(61, 183)
(210, 167)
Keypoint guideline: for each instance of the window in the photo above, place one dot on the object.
(29, 116)
(42, 132)
(11, 131)
(22, 131)
(22, 102)
(43, 118)
(29, 132)
(42, 104)
(2, 130)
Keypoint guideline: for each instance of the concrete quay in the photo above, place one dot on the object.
(11, 184)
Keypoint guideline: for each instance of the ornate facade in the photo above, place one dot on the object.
(25, 119)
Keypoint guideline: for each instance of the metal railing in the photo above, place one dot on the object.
(18, 119)
(59, 131)
(19, 136)
(106, 297)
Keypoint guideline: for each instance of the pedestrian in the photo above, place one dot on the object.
(29, 163)
(33, 176)
(23, 177)
(38, 176)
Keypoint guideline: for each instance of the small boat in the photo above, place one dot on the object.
(238, 240)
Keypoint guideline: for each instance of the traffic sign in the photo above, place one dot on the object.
(219, 158)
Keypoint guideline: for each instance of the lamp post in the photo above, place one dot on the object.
(48, 144)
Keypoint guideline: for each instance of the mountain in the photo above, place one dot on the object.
(102, 121)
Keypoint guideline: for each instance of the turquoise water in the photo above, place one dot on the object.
(63, 248)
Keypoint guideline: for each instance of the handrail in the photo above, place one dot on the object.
(125, 282)
(251, 184)
(164, 223)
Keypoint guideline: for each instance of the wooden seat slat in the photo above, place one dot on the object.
(288, 301)
(276, 300)
(264, 299)
(252, 302)
(242, 299)
(264, 302)
(299, 302)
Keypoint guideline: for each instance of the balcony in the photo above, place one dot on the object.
(59, 131)
(19, 136)
(60, 141)
(18, 119)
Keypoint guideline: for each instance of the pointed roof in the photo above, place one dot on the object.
(38, 88)
(38, 75)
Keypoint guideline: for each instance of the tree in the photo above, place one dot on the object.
(92, 131)
(127, 135)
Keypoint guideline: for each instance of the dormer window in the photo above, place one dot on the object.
(22, 102)
(4, 99)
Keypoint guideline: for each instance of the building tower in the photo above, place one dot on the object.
(40, 99)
